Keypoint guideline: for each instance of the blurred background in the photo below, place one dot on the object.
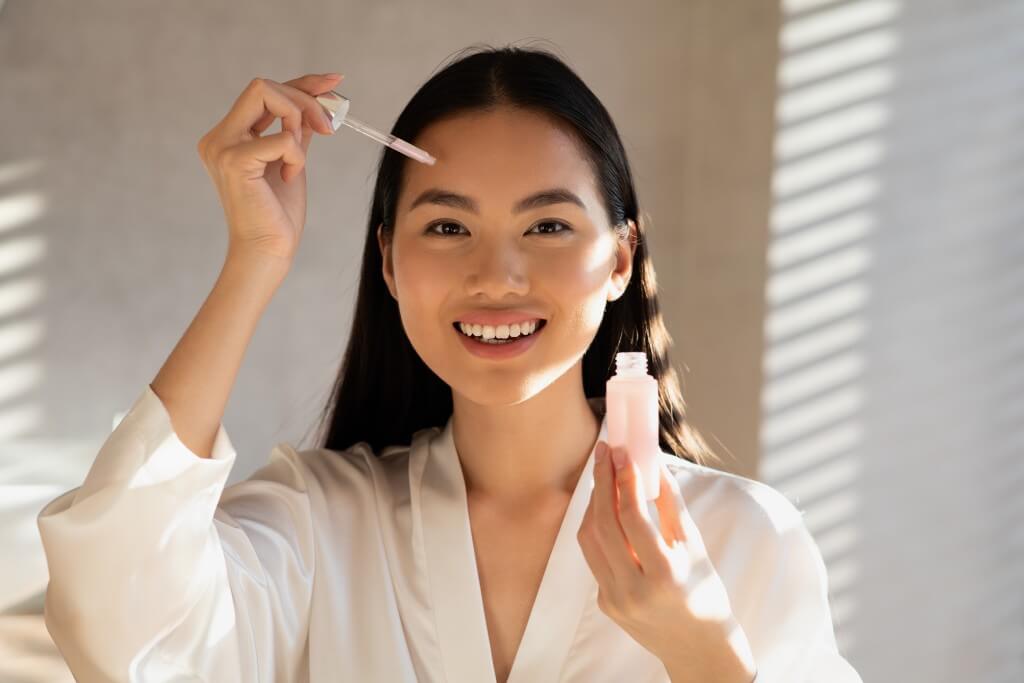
(838, 233)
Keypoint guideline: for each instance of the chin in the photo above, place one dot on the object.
(487, 383)
(494, 389)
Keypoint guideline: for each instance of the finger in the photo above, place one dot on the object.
(691, 533)
(592, 552)
(610, 534)
(640, 531)
(249, 160)
(669, 507)
(259, 97)
(304, 91)
(311, 117)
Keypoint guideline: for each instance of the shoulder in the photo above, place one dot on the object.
(754, 500)
(752, 530)
(772, 568)
(736, 513)
(355, 468)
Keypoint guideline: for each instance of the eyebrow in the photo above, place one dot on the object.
(557, 195)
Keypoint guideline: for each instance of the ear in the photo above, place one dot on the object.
(387, 269)
(625, 249)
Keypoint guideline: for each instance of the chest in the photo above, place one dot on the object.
(511, 556)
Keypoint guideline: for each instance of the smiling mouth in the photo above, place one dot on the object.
(496, 341)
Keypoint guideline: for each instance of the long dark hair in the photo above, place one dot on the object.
(384, 392)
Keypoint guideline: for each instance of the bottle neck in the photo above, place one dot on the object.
(631, 373)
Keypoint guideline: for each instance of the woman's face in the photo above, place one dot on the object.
(560, 260)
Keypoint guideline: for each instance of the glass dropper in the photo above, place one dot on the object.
(337, 106)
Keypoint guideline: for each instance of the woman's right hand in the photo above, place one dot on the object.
(261, 180)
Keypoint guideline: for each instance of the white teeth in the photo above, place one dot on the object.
(499, 331)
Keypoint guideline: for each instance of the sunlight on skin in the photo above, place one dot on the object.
(498, 158)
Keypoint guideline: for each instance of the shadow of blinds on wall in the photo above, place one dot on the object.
(894, 363)
(833, 73)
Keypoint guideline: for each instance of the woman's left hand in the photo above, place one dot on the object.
(660, 587)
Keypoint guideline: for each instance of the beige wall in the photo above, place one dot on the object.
(713, 199)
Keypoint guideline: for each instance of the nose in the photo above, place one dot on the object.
(497, 271)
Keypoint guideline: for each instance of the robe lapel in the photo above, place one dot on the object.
(565, 589)
(451, 565)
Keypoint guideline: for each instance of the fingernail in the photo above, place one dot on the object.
(599, 453)
(619, 458)
(332, 75)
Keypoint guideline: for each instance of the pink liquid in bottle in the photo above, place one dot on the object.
(631, 408)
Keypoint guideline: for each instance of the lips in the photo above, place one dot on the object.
(499, 351)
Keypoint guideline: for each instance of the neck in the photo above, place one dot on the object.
(529, 452)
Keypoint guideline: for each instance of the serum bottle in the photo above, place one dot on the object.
(631, 408)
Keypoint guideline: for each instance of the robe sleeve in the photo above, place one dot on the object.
(158, 572)
(793, 638)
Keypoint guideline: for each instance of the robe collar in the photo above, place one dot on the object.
(565, 589)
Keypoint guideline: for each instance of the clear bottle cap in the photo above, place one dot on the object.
(631, 363)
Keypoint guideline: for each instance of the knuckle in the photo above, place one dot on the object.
(660, 574)
(226, 158)
(638, 596)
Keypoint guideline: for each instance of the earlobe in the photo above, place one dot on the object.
(617, 288)
(617, 294)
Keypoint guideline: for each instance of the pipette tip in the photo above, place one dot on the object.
(412, 151)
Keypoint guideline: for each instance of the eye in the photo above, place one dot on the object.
(567, 228)
(430, 228)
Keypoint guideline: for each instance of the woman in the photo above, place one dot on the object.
(461, 520)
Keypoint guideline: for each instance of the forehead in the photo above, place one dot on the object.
(498, 157)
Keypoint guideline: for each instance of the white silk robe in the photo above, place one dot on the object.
(348, 567)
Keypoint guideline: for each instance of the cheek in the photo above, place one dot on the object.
(578, 286)
(423, 284)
